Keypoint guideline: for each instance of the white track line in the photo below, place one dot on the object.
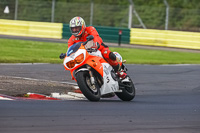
(23, 63)
(68, 96)
(5, 98)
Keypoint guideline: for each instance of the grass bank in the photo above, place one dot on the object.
(20, 51)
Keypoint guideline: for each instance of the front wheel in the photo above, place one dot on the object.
(128, 90)
(91, 92)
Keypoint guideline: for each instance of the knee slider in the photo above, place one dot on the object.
(112, 56)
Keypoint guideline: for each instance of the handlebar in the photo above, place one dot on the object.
(89, 38)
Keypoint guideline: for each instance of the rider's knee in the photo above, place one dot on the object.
(107, 54)
(112, 56)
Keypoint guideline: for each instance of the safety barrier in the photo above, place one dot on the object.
(66, 31)
(31, 29)
(166, 38)
(111, 34)
(108, 34)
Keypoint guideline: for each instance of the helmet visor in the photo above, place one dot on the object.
(75, 30)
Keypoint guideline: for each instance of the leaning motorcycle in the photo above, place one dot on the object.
(94, 76)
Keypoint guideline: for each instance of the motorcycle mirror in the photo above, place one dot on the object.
(90, 37)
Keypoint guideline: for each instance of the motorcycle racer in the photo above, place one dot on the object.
(80, 32)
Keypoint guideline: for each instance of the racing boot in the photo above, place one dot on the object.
(122, 74)
(119, 71)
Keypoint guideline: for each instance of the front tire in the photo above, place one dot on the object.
(128, 90)
(91, 92)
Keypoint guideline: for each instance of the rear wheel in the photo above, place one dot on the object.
(91, 92)
(128, 90)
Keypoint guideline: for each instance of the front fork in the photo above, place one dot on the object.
(92, 80)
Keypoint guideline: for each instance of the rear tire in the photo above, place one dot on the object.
(128, 90)
(91, 92)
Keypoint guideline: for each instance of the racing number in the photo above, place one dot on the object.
(108, 80)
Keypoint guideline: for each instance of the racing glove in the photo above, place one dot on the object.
(62, 56)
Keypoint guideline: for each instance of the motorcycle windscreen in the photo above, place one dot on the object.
(73, 48)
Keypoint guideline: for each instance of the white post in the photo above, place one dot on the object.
(136, 14)
(52, 11)
(130, 14)
(16, 9)
(91, 12)
(139, 19)
(167, 15)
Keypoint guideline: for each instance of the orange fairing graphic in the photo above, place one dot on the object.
(79, 57)
(95, 62)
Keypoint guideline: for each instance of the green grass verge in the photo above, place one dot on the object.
(20, 51)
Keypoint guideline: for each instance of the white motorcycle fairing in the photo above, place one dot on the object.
(97, 53)
(109, 84)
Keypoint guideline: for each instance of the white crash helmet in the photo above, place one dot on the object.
(77, 26)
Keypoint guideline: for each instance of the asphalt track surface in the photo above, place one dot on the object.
(167, 100)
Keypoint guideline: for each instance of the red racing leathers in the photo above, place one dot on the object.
(106, 53)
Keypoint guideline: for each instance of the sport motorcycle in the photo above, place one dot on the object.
(94, 76)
